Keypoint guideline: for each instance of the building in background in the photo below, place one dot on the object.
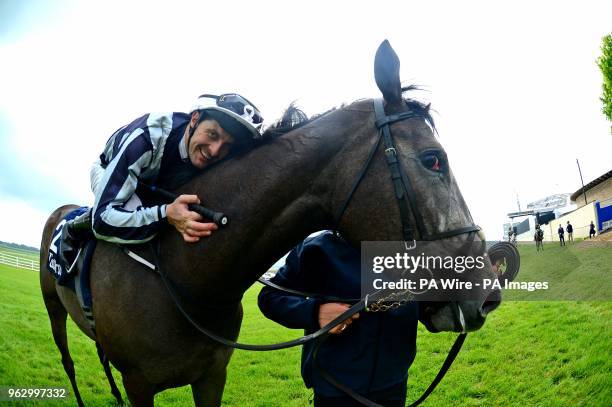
(551, 207)
(558, 209)
(600, 189)
(542, 212)
(597, 193)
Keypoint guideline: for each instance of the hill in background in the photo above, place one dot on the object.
(18, 246)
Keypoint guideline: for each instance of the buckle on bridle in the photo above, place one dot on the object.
(390, 150)
(413, 245)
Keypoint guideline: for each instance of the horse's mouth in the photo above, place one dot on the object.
(462, 316)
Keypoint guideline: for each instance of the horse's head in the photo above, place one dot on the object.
(434, 209)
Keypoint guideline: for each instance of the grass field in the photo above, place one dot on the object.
(528, 353)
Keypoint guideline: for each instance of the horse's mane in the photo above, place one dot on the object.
(294, 118)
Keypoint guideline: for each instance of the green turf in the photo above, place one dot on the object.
(574, 272)
(528, 353)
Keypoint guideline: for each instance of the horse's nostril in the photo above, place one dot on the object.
(492, 302)
(488, 306)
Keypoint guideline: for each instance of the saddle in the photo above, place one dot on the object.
(73, 271)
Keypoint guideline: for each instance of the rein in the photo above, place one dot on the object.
(328, 298)
(358, 307)
(450, 358)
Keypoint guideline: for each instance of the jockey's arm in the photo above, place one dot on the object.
(113, 221)
(96, 174)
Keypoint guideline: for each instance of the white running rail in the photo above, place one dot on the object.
(19, 262)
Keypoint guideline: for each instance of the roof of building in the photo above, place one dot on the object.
(519, 214)
(591, 184)
(549, 203)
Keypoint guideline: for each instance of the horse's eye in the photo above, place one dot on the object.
(432, 161)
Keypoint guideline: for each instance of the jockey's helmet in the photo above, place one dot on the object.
(234, 113)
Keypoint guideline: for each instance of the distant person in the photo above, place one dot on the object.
(570, 232)
(592, 230)
(538, 236)
(512, 235)
(561, 233)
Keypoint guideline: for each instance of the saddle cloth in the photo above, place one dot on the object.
(76, 275)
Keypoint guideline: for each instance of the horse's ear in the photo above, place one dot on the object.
(386, 73)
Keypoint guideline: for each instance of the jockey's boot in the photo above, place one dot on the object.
(74, 234)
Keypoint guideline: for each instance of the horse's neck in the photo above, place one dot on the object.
(275, 196)
(286, 196)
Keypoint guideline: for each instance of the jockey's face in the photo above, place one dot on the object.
(209, 143)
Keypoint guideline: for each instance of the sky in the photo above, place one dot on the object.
(514, 85)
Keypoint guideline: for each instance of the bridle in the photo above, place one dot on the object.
(405, 196)
(404, 193)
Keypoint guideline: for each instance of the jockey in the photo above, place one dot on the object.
(166, 150)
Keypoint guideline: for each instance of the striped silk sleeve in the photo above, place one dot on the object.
(112, 221)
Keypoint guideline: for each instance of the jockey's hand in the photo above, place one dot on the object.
(188, 223)
(330, 311)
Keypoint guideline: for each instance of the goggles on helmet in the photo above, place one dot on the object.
(233, 102)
